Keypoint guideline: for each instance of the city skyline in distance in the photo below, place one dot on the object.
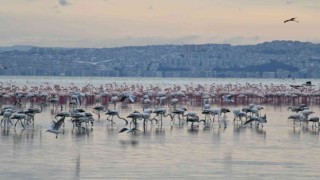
(270, 59)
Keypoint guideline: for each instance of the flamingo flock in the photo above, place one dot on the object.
(239, 94)
(301, 115)
(158, 104)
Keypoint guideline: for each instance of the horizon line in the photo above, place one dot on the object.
(125, 46)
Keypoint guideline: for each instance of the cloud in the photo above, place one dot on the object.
(64, 2)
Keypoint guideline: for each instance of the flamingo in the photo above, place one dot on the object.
(128, 96)
(114, 100)
(291, 19)
(315, 121)
(97, 110)
(238, 114)
(62, 114)
(19, 117)
(296, 117)
(54, 102)
(146, 102)
(162, 112)
(224, 111)
(260, 120)
(128, 130)
(207, 113)
(218, 111)
(55, 126)
(80, 116)
(6, 116)
(114, 113)
(228, 98)
(308, 83)
(298, 108)
(30, 112)
(146, 116)
(306, 113)
(193, 118)
(179, 112)
(3, 67)
(134, 116)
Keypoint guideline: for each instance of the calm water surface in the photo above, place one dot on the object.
(168, 152)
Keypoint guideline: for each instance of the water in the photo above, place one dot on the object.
(276, 151)
(96, 81)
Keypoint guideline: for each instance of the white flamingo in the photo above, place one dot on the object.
(55, 126)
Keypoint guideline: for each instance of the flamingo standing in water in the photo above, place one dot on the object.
(112, 113)
(6, 116)
(194, 118)
(260, 120)
(178, 112)
(315, 121)
(97, 110)
(19, 117)
(238, 114)
(296, 117)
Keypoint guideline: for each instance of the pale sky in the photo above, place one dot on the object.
(116, 23)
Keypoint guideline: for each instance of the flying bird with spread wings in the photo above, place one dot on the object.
(3, 67)
(291, 19)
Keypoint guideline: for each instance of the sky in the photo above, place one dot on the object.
(117, 23)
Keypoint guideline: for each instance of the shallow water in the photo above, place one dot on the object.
(177, 152)
(162, 82)
(172, 151)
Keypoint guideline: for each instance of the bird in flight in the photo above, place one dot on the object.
(291, 19)
(3, 67)
(228, 98)
(55, 126)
